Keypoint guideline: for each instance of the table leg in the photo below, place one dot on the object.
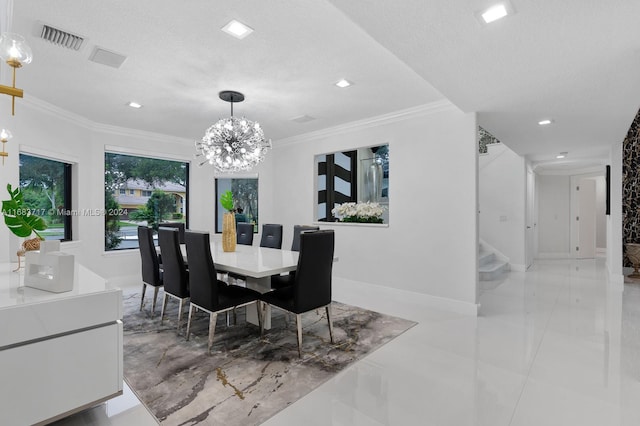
(262, 285)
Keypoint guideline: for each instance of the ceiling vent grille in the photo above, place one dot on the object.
(61, 38)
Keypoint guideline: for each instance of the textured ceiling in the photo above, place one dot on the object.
(576, 61)
(178, 61)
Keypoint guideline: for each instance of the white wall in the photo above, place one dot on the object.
(429, 247)
(614, 220)
(43, 129)
(601, 217)
(553, 215)
(430, 244)
(502, 195)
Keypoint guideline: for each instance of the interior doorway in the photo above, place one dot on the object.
(588, 220)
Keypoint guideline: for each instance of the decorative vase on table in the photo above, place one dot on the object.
(228, 232)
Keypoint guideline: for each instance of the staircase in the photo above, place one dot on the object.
(490, 268)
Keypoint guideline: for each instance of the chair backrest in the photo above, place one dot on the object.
(313, 275)
(149, 256)
(244, 233)
(202, 271)
(271, 236)
(297, 230)
(175, 276)
(178, 225)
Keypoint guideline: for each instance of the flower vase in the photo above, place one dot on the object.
(228, 232)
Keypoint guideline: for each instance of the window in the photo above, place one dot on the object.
(167, 189)
(245, 197)
(360, 175)
(46, 187)
(123, 192)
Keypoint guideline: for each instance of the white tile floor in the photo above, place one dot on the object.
(556, 345)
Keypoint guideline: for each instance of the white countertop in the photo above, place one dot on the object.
(13, 292)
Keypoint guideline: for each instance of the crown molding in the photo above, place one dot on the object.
(78, 120)
(404, 114)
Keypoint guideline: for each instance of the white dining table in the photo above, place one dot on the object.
(257, 264)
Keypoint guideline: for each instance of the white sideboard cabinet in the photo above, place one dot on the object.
(59, 352)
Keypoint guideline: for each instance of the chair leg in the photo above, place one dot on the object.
(227, 318)
(155, 299)
(180, 306)
(191, 309)
(212, 330)
(144, 289)
(328, 308)
(235, 316)
(165, 299)
(299, 326)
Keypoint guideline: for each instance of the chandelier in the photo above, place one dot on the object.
(233, 144)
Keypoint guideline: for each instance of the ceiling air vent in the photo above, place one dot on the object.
(61, 38)
(107, 57)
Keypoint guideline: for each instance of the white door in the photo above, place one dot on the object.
(586, 219)
(530, 220)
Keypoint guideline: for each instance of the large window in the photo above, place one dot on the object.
(46, 186)
(141, 191)
(245, 197)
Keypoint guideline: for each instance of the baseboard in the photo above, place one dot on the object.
(553, 256)
(344, 288)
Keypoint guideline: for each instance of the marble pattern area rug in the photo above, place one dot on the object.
(246, 379)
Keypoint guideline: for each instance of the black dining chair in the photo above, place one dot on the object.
(178, 225)
(175, 274)
(271, 236)
(297, 230)
(279, 281)
(151, 271)
(311, 286)
(244, 233)
(207, 292)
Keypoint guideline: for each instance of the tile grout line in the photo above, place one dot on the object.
(533, 360)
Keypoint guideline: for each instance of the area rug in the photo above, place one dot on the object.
(246, 379)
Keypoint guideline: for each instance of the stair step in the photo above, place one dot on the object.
(486, 257)
(492, 270)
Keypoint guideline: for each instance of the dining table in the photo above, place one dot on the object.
(255, 263)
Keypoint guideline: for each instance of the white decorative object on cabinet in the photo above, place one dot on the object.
(48, 268)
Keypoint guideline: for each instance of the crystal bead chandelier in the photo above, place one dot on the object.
(233, 144)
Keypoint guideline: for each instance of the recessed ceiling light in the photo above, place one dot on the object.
(545, 122)
(343, 83)
(494, 13)
(237, 29)
(562, 155)
(134, 105)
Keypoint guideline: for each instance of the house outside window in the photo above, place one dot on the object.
(155, 191)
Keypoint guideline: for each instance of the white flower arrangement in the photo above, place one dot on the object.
(359, 212)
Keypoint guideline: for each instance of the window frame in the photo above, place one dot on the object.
(67, 191)
(116, 150)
